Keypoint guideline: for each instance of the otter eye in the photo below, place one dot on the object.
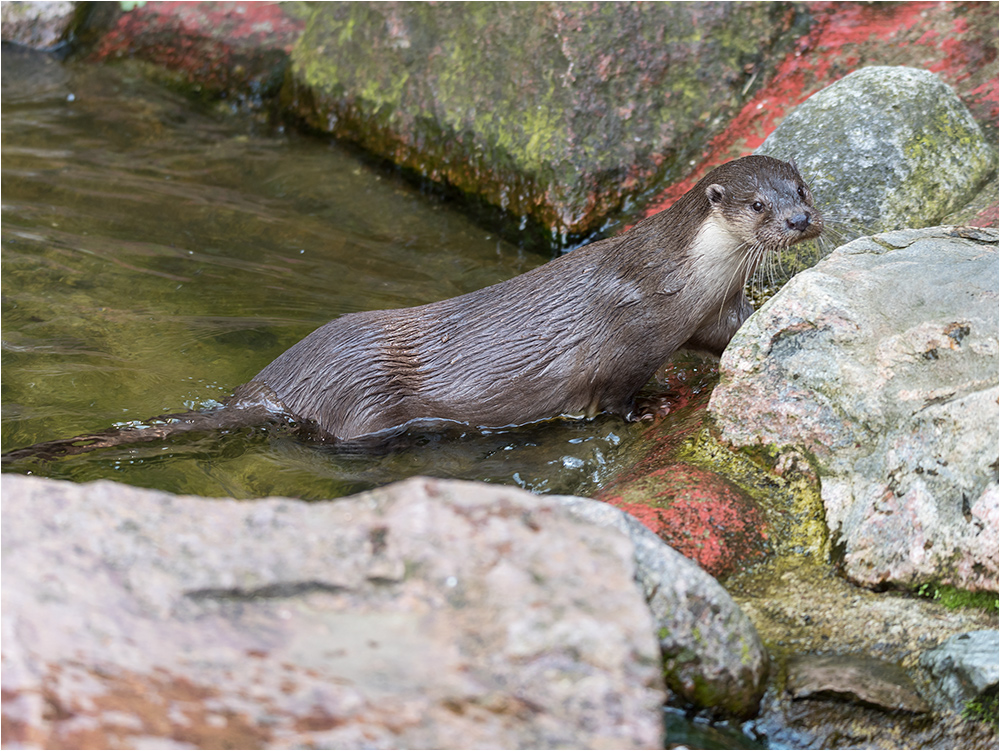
(757, 206)
(802, 192)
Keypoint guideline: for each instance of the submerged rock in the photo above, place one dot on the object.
(428, 614)
(881, 363)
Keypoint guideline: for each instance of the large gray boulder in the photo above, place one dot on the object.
(880, 363)
(885, 148)
(424, 615)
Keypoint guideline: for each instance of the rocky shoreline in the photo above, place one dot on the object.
(854, 425)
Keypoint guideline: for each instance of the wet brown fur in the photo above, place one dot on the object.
(577, 336)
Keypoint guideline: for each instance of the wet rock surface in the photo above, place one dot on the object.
(697, 512)
(880, 363)
(854, 678)
(804, 611)
(238, 52)
(692, 508)
(642, 64)
(429, 614)
(966, 667)
(584, 106)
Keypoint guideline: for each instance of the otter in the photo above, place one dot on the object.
(577, 336)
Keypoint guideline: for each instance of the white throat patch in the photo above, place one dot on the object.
(717, 258)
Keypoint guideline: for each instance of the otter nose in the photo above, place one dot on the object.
(798, 222)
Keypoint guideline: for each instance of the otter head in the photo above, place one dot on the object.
(764, 201)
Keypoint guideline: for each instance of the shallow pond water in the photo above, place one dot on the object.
(156, 255)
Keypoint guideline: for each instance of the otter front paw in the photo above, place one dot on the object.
(650, 408)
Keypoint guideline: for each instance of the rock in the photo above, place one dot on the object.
(555, 113)
(881, 363)
(235, 51)
(982, 211)
(800, 606)
(958, 42)
(713, 657)
(41, 25)
(854, 678)
(965, 667)
(425, 614)
(885, 148)
(697, 512)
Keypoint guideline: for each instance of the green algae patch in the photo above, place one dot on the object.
(783, 484)
(554, 114)
(954, 598)
(984, 709)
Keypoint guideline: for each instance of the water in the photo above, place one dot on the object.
(155, 256)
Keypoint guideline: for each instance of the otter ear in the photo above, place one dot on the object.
(715, 194)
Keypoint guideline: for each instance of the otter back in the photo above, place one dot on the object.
(576, 336)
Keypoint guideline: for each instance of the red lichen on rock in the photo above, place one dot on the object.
(217, 46)
(988, 217)
(698, 513)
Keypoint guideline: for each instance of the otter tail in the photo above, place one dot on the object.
(154, 429)
(252, 404)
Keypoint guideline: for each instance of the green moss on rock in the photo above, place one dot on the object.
(791, 500)
(554, 113)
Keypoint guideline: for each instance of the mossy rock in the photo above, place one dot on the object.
(554, 113)
(884, 148)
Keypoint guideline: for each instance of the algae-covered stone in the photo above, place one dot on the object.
(555, 113)
(885, 148)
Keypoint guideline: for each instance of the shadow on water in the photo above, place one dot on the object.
(155, 256)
